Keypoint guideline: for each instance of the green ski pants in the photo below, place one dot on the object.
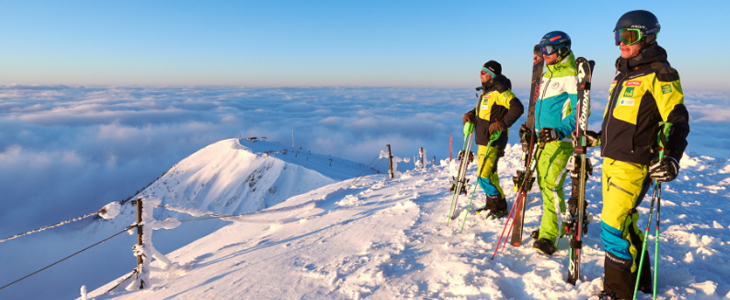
(551, 175)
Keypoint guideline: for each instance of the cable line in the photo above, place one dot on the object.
(72, 255)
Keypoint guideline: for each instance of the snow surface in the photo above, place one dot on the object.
(228, 177)
(388, 239)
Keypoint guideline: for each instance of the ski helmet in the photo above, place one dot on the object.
(555, 41)
(635, 26)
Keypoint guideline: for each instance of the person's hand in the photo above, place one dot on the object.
(495, 126)
(547, 135)
(467, 118)
(664, 170)
(524, 132)
(593, 139)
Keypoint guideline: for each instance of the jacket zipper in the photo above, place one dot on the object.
(542, 97)
(612, 103)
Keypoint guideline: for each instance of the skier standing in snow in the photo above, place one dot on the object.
(497, 110)
(554, 120)
(645, 93)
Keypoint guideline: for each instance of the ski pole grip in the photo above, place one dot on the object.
(468, 128)
(664, 129)
(495, 135)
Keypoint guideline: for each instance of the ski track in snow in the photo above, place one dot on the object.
(388, 239)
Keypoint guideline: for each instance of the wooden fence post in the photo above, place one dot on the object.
(390, 160)
(423, 159)
(139, 240)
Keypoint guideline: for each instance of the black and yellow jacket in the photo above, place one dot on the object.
(645, 92)
(497, 103)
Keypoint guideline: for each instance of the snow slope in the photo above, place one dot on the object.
(237, 176)
(388, 239)
(228, 177)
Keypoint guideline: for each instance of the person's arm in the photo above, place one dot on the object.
(667, 91)
(514, 106)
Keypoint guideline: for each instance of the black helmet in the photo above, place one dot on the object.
(555, 41)
(641, 19)
(646, 22)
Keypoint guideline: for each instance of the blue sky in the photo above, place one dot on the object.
(333, 43)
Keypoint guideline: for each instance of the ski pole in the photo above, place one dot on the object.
(662, 140)
(495, 135)
(524, 196)
(511, 214)
(518, 203)
(656, 247)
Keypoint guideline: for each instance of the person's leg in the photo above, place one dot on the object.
(624, 186)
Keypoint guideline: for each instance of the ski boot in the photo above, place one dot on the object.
(544, 246)
(496, 214)
(498, 205)
(535, 234)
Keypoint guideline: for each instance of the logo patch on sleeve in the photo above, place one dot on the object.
(626, 102)
(666, 88)
(629, 91)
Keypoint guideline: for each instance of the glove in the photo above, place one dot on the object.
(593, 139)
(664, 170)
(524, 133)
(547, 135)
(495, 126)
(467, 118)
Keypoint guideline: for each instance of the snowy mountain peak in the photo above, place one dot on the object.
(235, 176)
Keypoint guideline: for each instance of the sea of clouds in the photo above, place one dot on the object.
(66, 151)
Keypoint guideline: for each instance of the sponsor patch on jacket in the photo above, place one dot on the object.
(666, 88)
(629, 91)
(626, 102)
(633, 83)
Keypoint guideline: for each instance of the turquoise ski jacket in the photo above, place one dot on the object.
(555, 107)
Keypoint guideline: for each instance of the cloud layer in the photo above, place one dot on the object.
(66, 151)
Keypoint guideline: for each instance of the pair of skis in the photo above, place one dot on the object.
(465, 156)
(524, 179)
(582, 166)
(459, 187)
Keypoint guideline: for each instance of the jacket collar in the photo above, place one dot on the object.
(653, 53)
(565, 65)
(501, 79)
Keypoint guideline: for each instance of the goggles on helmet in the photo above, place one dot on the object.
(628, 36)
(550, 49)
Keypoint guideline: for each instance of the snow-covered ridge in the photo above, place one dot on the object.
(388, 239)
(236, 176)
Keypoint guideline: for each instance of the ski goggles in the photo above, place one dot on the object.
(550, 49)
(628, 36)
(487, 71)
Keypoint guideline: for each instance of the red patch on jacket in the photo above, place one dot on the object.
(633, 83)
